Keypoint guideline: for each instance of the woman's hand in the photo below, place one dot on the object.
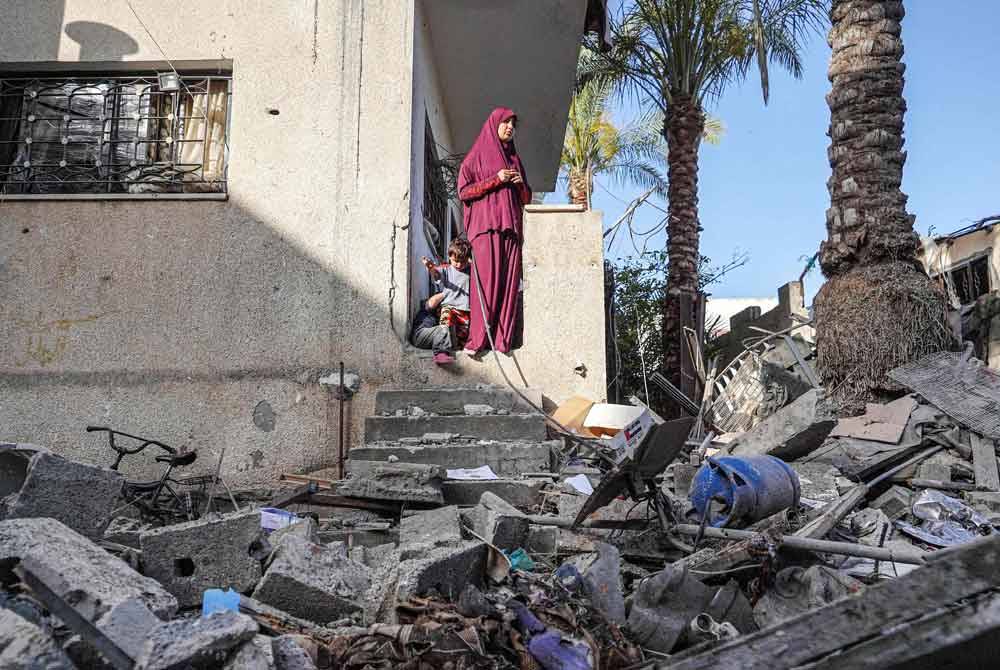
(517, 178)
(508, 175)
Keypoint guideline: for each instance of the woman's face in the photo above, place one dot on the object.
(506, 129)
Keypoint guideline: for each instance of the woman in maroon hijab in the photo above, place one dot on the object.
(494, 188)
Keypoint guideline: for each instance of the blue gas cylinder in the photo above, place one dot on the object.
(750, 488)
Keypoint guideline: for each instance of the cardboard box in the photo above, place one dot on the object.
(626, 440)
(571, 415)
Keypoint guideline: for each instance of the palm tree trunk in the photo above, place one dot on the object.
(577, 191)
(879, 309)
(683, 127)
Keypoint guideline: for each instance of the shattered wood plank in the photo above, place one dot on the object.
(963, 388)
(984, 460)
(888, 609)
(879, 423)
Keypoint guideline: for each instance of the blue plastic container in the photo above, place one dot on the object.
(217, 600)
(751, 488)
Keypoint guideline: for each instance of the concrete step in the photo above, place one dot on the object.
(452, 400)
(490, 427)
(507, 459)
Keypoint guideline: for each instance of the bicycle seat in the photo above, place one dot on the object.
(178, 459)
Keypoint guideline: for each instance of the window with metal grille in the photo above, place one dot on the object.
(113, 136)
(971, 279)
(435, 197)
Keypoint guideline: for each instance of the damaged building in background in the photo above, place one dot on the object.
(965, 265)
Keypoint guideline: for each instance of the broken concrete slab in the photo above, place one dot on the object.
(879, 423)
(518, 492)
(405, 482)
(129, 624)
(125, 531)
(25, 646)
(446, 570)
(199, 642)
(313, 582)
(452, 400)
(289, 654)
(498, 522)
(91, 577)
(424, 531)
(305, 528)
(506, 459)
(383, 567)
(797, 591)
(257, 654)
(895, 502)
(211, 552)
(792, 431)
(817, 481)
(81, 496)
(529, 427)
(987, 502)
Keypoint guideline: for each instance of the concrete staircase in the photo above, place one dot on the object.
(457, 428)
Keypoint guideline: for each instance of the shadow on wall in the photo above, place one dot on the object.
(101, 42)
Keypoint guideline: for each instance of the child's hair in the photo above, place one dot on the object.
(460, 249)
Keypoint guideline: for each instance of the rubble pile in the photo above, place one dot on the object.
(648, 542)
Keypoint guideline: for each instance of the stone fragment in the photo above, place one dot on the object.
(383, 567)
(92, 578)
(213, 552)
(499, 523)
(817, 481)
(799, 590)
(80, 496)
(601, 573)
(405, 482)
(437, 437)
(791, 432)
(446, 570)
(289, 654)
(895, 502)
(479, 410)
(313, 582)
(25, 646)
(128, 624)
(424, 531)
(257, 654)
(937, 471)
(198, 642)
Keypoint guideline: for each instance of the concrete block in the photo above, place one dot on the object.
(518, 492)
(25, 646)
(792, 431)
(257, 654)
(497, 426)
(289, 654)
(478, 410)
(212, 552)
(89, 574)
(197, 642)
(507, 459)
(313, 582)
(452, 400)
(817, 481)
(938, 471)
(895, 503)
(984, 501)
(446, 570)
(406, 482)
(422, 532)
(380, 600)
(80, 496)
(498, 522)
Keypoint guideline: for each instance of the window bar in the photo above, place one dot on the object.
(173, 145)
(205, 156)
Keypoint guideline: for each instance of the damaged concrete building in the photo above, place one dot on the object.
(966, 264)
(189, 248)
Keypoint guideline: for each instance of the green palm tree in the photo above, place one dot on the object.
(594, 145)
(677, 55)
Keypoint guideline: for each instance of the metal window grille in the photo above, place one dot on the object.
(435, 196)
(113, 136)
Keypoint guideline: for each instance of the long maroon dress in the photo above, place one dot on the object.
(494, 224)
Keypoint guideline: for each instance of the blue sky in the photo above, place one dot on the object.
(763, 189)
